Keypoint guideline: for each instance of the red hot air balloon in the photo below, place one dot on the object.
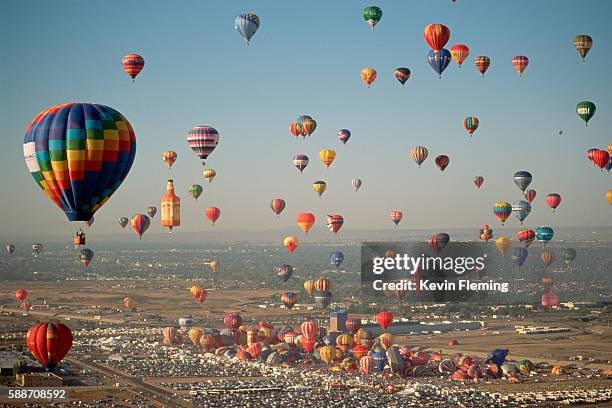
(442, 161)
(482, 64)
(21, 294)
(396, 217)
(305, 221)
(436, 36)
(526, 236)
(296, 129)
(550, 299)
(384, 319)
(553, 200)
(49, 343)
(520, 62)
(291, 244)
(334, 222)
(277, 205)
(530, 195)
(309, 328)
(232, 321)
(459, 52)
(212, 213)
(308, 343)
(132, 65)
(478, 180)
(601, 158)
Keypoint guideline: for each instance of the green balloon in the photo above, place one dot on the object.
(585, 110)
(195, 190)
(372, 14)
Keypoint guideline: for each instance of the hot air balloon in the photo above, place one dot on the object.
(544, 234)
(128, 303)
(442, 161)
(583, 44)
(132, 64)
(232, 321)
(384, 319)
(396, 216)
(419, 154)
(486, 233)
(195, 334)
(600, 158)
(336, 258)
(609, 196)
(502, 211)
(289, 299)
(309, 329)
(140, 224)
(277, 205)
(309, 286)
(86, 256)
(366, 365)
(195, 190)
(482, 64)
(402, 75)
(10, 249)
(284, 272)
(550, 300)
(568, 255)
(459, 52)
(356, 183)
(169, 157)
(368, 76)
(334, 222)
(296, 129)
(212, 213)
(344, 135)
(519, 256)
(547, 257)
(203, 140)
(372, 15)
(214, 265)
(170, 208)
(521, 210)
(319, 187)
(438, 242)
(305, 221)
(436, 36)
(344, 341)
(196, 291)
(21, 294)
(209, 174)
(530, 195)
(328, 354)
(547, 282)
(478, 181)
(171, 335)
(585, 110)
(439, 61)
(553, 200)
(247, 24)
(353, 324)
(185, 322)
(470, 124)
(519, 63)
(49, 343)
(308, 126)
(322, 285)
(79, 177)
(522, 179)
(300, 161)
(526, 237)
(327, 157)
(290, 243)
(37, 248)
(151, 211)
(503, 245)
(123, 221)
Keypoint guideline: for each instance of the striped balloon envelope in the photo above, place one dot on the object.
(79, 154)
(203, 140)
(470, 124)
(419, 154)
(396, 216)
(132, 64)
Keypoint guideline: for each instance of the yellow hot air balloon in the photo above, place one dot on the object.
(327, 353)
(368, 76)
(214, 265)
(319, 187)
(195, 335)
(385, 340)
(309, 286)
(327, 156)
(503, 245)
(609, 196)
(196, 290)
(209, 174)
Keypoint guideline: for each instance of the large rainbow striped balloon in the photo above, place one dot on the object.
(79, 154)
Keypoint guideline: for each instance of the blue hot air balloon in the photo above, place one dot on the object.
(247, 25)
(379, 356)
(544, 234)
(439, 61)
(521, 210)
(336, 258)
(519, 256)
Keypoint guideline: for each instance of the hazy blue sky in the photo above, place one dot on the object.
(306, 59)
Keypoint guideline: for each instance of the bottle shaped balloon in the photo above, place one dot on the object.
(170, 208)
